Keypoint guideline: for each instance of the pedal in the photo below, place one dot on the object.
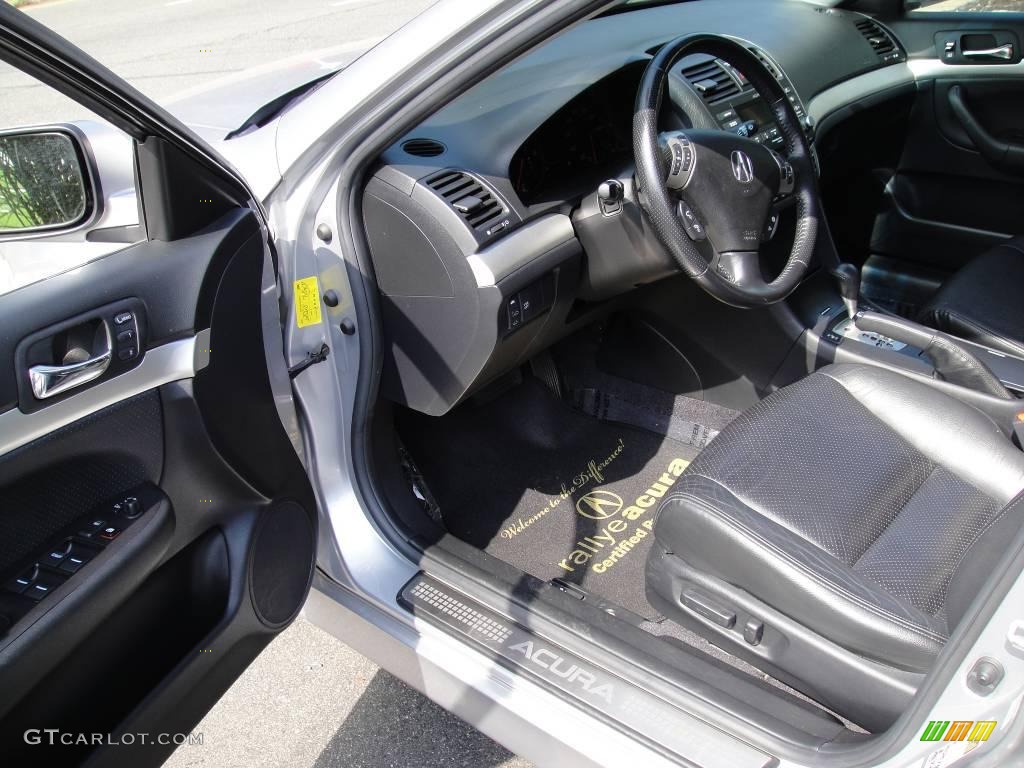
(543, 367)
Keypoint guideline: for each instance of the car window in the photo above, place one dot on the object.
(67, 187)
(954, 6)
(213, 65)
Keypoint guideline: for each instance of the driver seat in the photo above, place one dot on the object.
(836, 533)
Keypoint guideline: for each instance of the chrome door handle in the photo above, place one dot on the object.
(1002, 52)
(50, 380)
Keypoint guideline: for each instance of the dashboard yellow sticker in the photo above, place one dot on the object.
(307, 302)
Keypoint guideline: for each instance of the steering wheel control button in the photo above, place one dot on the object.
(681, 160)
(787, 177)
(691, 223)
(771, 227)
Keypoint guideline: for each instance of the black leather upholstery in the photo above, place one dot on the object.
(984, 301)
(856, 502)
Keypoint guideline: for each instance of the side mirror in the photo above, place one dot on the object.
(45, 183)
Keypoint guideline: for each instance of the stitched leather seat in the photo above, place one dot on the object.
(853, 515)
(984, 301)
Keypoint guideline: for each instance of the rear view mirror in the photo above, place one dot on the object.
(42, 182)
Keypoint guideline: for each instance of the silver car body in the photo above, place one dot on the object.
(292, 164)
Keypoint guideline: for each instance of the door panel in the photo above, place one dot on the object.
(945, 202)
(158, 528)
(157, 622)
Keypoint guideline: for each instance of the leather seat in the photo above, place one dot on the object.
(836, 533)
(984, 301)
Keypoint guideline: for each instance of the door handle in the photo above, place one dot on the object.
(1004, 52)
(50, 380)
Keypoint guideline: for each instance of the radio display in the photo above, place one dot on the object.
(757, 111)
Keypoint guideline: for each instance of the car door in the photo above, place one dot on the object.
(157, 527)
(957, 187)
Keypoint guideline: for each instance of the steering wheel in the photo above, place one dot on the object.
(711, 195)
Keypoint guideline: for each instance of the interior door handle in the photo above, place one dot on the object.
(1002, 155)
(1004, 52)
(50, 380)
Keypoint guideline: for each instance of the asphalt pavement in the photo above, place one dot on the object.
(308, 700)
(165, 47)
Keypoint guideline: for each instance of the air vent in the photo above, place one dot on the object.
(423, 147)
(881, 41)
(470, 199)
(711, 81)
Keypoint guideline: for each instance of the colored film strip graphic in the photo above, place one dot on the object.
(958, 730)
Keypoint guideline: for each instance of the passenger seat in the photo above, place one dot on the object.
(984, 301)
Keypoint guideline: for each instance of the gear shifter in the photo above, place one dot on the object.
(848, 278)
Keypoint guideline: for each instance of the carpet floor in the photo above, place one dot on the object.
(556, 493)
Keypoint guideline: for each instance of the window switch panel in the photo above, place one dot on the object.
(43, 585)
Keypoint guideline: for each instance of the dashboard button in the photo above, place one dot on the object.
(515, 312)
(747, 129)
(531, 300)
(497, 227)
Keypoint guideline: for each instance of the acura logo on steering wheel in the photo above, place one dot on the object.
(742, 168)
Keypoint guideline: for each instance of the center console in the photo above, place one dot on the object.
(734, 103)
(990, 380)
(1007, 368)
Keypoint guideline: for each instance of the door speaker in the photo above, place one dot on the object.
(282, 561)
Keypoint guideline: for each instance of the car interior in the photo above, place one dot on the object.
(702, 335)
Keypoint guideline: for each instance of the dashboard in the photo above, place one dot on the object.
(488, 224)
(587, 140)
(590, 138)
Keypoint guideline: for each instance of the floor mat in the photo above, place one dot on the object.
(611, 398)
(554, 492)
